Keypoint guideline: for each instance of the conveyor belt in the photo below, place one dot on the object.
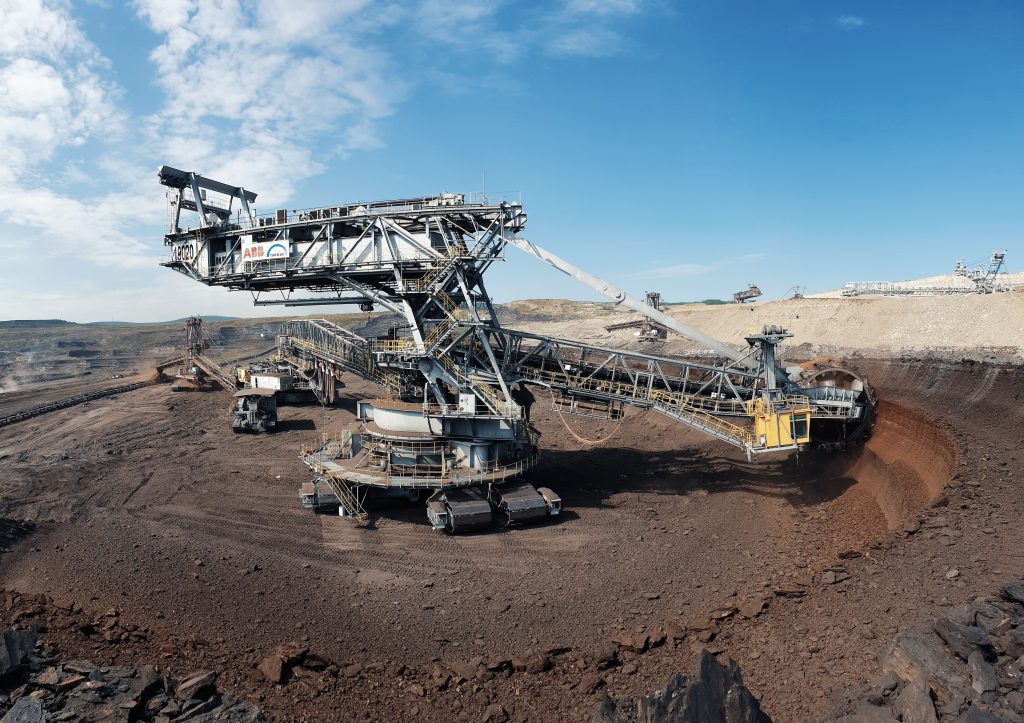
(70, 402)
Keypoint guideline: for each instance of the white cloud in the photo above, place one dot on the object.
(850, 22)
(587, 41)
(168, 296)
(264, 94)
(471, 25)
(93, 229)
(39, 28)
(253, 92)
(51, 90)
(603, 7)
(53, 96)
(505, 33)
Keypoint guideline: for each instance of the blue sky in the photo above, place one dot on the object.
(687, 147)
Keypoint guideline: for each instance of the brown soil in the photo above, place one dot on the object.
(147, 503)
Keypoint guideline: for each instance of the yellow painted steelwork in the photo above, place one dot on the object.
(779, 425)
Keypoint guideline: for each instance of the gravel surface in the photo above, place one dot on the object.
(802, 570)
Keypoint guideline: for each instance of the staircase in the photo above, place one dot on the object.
(349, 500)
(678, 407)
(213, 369)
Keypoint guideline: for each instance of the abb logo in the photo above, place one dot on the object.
(260, 251)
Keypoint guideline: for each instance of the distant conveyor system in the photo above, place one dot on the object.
(456, 412)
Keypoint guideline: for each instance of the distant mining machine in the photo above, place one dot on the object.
(751, 292)
(452, 425)
(984, 276)
(646, 329)
(255, 410)
(195, 371)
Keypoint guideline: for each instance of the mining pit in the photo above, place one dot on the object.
(803, 568)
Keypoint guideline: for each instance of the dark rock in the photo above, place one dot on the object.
(199, 685)
(914, 704)
(918, 656)
(232, 711)
(976, 715)
(315, 662)
(868, 714)
(26, 710)
(145, 682)
(81, 667)
(990, 618)
(963, 639)
(15, 647)
(983, 676)
(1014, 590)
(1014, 642)
(714, 694)
(1015, 699)
(961, 615)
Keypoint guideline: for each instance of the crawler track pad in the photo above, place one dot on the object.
(468, 509)
(520, 502)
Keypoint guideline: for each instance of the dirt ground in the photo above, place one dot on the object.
(802, 569)
(986, 327)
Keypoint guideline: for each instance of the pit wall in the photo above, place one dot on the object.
(906, 463)
(924, 408)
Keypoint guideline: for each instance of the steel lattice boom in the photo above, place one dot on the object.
(458, 413)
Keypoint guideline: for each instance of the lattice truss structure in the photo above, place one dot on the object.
(463, 376)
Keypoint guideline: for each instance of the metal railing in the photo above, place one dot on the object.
(679, 408)
(394, 345)
(368, 208)
(338, 350)
(422, 476)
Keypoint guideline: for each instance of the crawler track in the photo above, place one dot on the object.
(70, 402)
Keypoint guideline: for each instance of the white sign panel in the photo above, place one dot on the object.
(266, 250)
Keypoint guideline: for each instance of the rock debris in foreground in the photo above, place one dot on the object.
(713, 694)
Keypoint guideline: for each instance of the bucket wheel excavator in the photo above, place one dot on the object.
(453, 422)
